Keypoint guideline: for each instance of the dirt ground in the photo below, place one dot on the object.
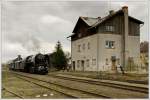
(24, 88)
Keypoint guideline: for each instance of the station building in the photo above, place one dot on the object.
(102, 44)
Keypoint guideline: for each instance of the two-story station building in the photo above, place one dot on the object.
(102, 44)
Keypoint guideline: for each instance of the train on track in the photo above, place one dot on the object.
(31, 64)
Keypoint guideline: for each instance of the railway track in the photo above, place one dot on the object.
(69, 91)
(120, 86)
(11, 92)
(49, 88)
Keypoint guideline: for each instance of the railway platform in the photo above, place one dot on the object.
(106, 81)
(128, 77)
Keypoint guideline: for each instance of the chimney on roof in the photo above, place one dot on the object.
(125, 42)
(111, 12)
(99, 17)
(125, 9)
(19, 57)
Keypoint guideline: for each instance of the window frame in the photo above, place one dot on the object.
(88, 63)
(83, 46)
(79, 35)
(110, 28)
(109, 44)
(79, 48)
(93, 61)
(88, 45)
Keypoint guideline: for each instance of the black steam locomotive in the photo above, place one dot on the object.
(31, 64)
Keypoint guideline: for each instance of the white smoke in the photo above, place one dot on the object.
(32, 43)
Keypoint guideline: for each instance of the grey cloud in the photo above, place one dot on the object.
(21, 22)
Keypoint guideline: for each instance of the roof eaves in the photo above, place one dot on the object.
(71, 35)
(141, 22)
(76, 23)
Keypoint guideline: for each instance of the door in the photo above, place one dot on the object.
(73, 65)
(82, 65)
(113, 61)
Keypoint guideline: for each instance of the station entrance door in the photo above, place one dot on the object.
(82, 65)
(73, 64)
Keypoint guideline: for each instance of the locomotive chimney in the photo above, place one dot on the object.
(19, 57)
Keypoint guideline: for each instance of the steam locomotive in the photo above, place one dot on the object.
(31, 64)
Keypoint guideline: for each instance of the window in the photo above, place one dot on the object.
(88, 45)
(110, 28)
(79, 35)
(79, 48)
(87, 63)
(109, 44)
(78, 63)
(106, 61)
(93, 61)
(83, 47)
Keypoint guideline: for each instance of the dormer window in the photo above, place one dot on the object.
(110, 28)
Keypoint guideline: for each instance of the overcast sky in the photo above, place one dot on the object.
(29, 27)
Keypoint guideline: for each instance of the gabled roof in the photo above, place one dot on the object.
(89, 20)
(106, 18)
(93, 22)
(111, 15)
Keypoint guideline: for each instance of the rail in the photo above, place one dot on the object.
(60, 85)
(3, 88)
(121, 86)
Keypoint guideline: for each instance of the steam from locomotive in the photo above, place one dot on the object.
(31, 64)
